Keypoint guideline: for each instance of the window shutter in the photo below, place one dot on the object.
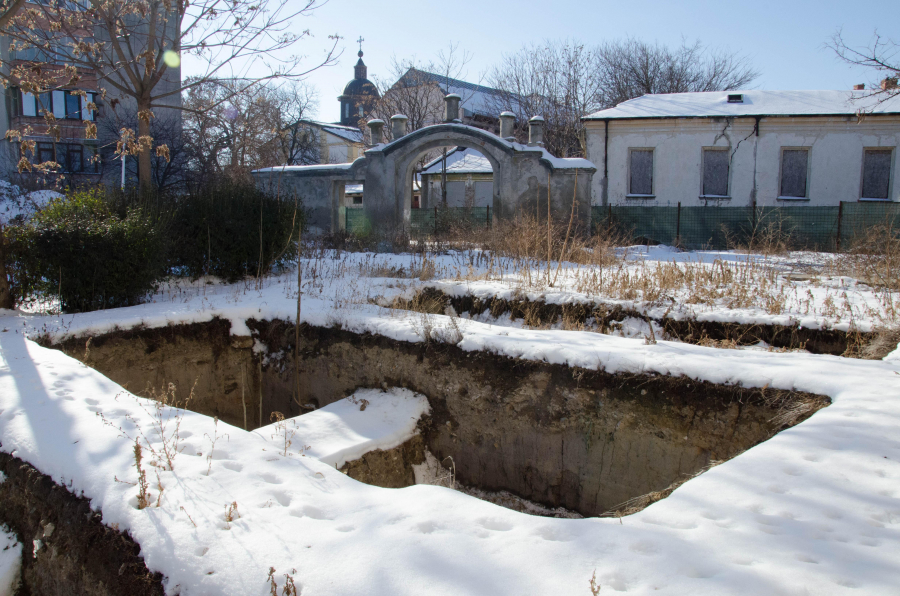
(59, 104)
(876, 173)
(794, 171)
(28, 105)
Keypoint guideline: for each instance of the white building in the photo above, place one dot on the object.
(745, 148)
(470, 180)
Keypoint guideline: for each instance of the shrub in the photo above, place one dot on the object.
(77, 250)
(232, 230)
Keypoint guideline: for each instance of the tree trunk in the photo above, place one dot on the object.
(6, 297)
(144, 175)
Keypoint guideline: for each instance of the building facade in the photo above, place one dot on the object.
(80, 159)
(469, 180)
(746, 148)
(333, 143)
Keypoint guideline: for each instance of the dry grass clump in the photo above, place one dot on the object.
(772, 238)
(884, 342)
(874, 257)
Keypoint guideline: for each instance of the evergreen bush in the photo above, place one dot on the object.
(87, 256)
(232, 230)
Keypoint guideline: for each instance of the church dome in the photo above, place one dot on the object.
(360, 87)
(359, 95)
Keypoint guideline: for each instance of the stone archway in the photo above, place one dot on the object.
(525, 179)
(406, 166)
(522, 175)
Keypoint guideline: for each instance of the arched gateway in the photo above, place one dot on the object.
(521, 175)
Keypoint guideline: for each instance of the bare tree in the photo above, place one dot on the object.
(250, 128)
(881, 56)
(8, 10)
(556, 80)
(562, 81)
(135, 46)
(168, 173)
(632, 68)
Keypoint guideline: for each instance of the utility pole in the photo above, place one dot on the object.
(444, 178)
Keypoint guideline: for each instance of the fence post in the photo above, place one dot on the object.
(837, 242)
(609, 219)
(487, 219)
(678, 224)
(435, 221)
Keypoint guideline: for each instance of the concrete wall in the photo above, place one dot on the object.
(836, 146)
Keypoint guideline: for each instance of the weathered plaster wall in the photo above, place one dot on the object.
(835, 163)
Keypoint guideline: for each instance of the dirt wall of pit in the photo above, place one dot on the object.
(78, 554)
(580, 439)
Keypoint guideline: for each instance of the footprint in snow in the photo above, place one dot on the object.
(91, 401)
(283, 498)
(495, 524)
(232, 465)
(310, 512)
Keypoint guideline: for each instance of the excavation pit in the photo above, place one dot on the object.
(583, 440)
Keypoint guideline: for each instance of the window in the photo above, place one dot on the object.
(45, 152)
(346, 110)
(71, 157)
(62, 104)
(876, 176)
(73, 106)
(794, 173)
(360, 111)
(715, 172)
(640, 172)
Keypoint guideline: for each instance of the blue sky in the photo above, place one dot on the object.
(783, 39)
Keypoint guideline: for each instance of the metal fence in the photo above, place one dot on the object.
(426, 222)
(802, 227)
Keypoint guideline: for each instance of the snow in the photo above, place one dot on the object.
(814, 510)
(460, 160)
(10, 561)
(354, 135)
(348, 429)
(16, 204)
(324, 168)
(755, 103)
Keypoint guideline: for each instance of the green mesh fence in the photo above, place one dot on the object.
(802, 227)
(355, 221)
(434, 222)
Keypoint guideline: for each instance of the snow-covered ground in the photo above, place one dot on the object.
(10, 562)
(814, 510)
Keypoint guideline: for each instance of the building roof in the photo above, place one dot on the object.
(476, 99)
(754, 103)
(461, 161)
(348, 133)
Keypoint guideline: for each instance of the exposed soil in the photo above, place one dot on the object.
(78, 554)
(563, 437)
(600, 318)
(390, 468)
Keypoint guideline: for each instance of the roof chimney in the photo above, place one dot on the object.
(889, 83)
(860, 87)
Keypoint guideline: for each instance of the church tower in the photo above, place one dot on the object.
(359, 95)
